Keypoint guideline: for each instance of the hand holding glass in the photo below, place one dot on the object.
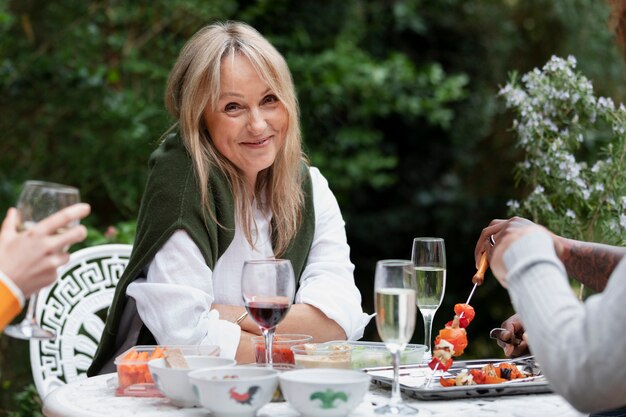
(429, 258)
(37, 201)
(395, 301)
(268, 288)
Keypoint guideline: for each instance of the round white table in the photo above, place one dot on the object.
(95, 397)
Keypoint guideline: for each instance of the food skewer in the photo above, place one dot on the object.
(477, 279)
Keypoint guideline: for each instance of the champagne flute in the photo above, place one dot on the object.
(395, 300)
(429, 258)
(268, 288)
(37, 201)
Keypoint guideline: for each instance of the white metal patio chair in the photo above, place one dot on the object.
(75, 307)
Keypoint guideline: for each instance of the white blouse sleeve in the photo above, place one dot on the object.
(175, 300)
(327, 281)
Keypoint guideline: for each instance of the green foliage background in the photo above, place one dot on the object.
(398, 100)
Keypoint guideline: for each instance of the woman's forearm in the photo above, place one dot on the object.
(245, 350)
(302, 318)
(306, 319)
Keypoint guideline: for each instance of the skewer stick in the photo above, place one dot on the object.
(430, 377)
(478, 278)
(471, 294)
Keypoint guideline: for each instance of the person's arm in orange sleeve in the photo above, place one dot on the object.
(11, 300)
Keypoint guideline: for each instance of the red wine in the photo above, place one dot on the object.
(267, 314)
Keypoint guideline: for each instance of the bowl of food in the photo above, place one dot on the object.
(375, 354)
(173, 381)
(281, 347)
(324, 392)
(236, 391)
(320, 355)
(134, 376)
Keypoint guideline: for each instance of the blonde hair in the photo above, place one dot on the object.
(194, 83)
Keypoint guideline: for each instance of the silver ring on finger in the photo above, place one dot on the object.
(492, 241)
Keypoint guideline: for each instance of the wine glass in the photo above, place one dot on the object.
(268, 288)
(429, 258)
(395, 300)
(37, 201)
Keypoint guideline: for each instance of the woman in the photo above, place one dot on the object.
(228, 184)
(29, 259)
(581, 346)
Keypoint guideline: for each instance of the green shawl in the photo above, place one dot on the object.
(171, 201)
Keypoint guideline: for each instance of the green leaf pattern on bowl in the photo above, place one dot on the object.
(329, 397)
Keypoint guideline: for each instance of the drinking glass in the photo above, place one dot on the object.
(395, 300)
(37, 201)
(429, 257)
(268, 288)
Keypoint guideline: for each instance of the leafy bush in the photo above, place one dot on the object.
(27, 403)
(576, 195)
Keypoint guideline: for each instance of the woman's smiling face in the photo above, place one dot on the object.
(249, 124)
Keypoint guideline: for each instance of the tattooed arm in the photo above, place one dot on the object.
(589, 263)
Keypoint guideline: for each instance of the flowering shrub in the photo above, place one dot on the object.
(555, 113)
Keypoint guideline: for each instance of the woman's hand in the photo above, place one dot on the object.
(232, 313)
(31, 258)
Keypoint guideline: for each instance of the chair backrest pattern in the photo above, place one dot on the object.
(75, 307)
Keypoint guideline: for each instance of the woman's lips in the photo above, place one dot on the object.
(259, 142)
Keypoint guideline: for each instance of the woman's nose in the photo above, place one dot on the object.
(256, 122)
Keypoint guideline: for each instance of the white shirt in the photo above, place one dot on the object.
(175, 300)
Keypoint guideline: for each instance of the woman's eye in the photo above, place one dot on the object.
(270, 99)
(230, 107)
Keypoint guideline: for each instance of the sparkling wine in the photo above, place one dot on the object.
(30, 224)
(430, 286)
(267, 314)
(395, 315)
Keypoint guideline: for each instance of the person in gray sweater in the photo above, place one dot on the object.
(581, 346)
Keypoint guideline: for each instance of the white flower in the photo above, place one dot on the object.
(586, 194)
(571, 60)
(596, 167)
(570, 213)
(580, 183)
(622, 220)
(613, 226)
(605, 104)
(513, 204)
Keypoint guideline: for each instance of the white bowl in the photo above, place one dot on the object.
(237, 391)
(324, 392)
(174, 382)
